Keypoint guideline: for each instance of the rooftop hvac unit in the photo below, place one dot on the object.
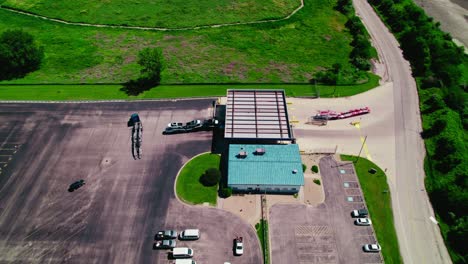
(242, 154)
(259, 151)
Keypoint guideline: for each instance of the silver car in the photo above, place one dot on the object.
(371, 248)
(363, 221)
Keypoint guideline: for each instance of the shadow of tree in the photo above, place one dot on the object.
(136, 87)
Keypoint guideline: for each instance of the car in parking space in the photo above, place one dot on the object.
(363, 221)
(165, 234)
(164, 244)
(182, 252)
(189, 234)
(371, 248)
(185, 261)
(359, 213)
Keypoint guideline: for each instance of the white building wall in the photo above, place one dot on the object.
(255, 188)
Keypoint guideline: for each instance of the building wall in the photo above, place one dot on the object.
(259, 188)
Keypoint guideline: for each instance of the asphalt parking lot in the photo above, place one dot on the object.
(114, 216)
(325, 233)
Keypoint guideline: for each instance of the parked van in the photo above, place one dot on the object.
(182, 252)
(185, 261)
(190, 234)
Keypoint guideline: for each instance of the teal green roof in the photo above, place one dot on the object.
(276, 166)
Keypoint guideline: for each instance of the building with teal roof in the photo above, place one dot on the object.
(265, 168)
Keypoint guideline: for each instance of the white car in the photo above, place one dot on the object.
(238, 246)
(363, 221)
(371, 248)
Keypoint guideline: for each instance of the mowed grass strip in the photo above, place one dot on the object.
(281, 52)
(109, 92)
(188, 186)
(158, 13)
(378, 201)
(262, 230)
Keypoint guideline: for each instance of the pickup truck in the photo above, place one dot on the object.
(359, 213)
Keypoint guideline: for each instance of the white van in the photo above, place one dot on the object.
(182, 252)
(190, 234)
(185, 261)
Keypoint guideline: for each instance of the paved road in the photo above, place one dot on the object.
(420, 239)
(113, 218)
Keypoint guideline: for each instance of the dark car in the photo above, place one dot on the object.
(165, 234)
(76, 185)
(210, 123)
(164, 244)
(174, 130)
(359, 213)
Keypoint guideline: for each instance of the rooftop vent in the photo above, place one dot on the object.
(242, 154)
(294, 171)
(259, 151)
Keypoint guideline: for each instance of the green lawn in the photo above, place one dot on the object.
(378, 200)
(262, 229)
(282, 52)
(172, 14)
(188, 186)
(105, 92)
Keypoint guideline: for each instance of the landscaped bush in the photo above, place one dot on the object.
(304, 167)
(315, 169)
(225, 192)
(317, 181)
(211, 177)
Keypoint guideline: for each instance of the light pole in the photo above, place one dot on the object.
(362, 146)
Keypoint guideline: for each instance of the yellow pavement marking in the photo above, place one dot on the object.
(288, 103)
(293, 121)
(356, 124)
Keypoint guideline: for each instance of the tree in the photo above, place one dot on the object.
(211, 177)
(19, 54)
(151, 60)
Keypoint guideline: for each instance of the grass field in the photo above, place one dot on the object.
(103, 92)
(282, 52)
(188, 186)
(171, 14)
(378, 200)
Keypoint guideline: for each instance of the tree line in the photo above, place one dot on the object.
(362, 51)
(437, 64)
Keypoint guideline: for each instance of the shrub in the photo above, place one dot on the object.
(225, 192)
(317, 181)
(211, 177)
(304, 167)
(315, 169)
